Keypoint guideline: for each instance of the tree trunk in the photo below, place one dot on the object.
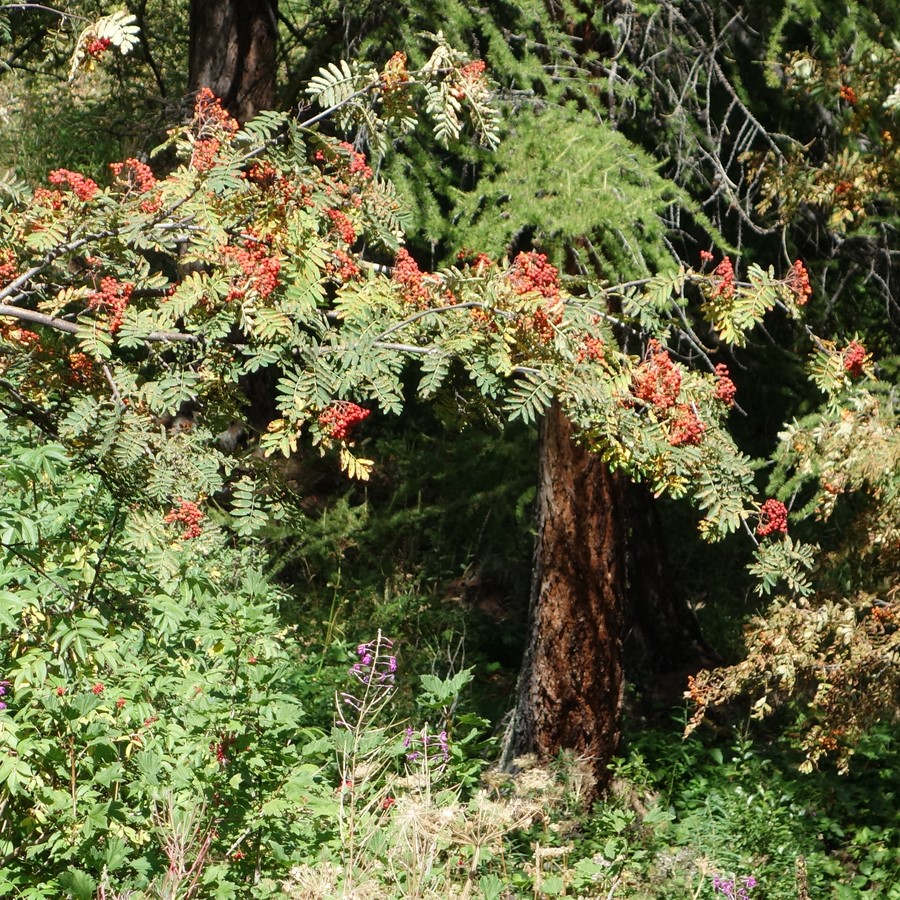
(232, 52)
(570, 686)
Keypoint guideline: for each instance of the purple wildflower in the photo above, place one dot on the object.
(3, 688)
(373, 667)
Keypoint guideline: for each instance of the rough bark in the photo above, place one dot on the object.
(570, 686)
(232, 52)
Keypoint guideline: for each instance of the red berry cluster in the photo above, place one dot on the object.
(259, 270)
(98, 688)
(591, 348)
(773, 517)
(657, 380)
(725, 389)
(342, 224)
(847, 94)
(358, 164)
(474, 69)
(686, 427)
(190, 515)
(338, 420)
(342, 266)
(723, 280)
(136, 174)
(84, 188)
(532, 272)
(471, 79)
(706, 256)
(798, 282)
(96, 47)
(412, 283)
(112, 296)
(222, 748)
(8, 266)
(854, 359)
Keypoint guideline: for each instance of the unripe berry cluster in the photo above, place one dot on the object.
(773, 518)
(190, 515)
(339, 419)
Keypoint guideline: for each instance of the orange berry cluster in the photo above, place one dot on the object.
(407, 274)
(591, 348)
(342, 224)
(137, 173)
(342, 266)
(798, 282)
(358, 164)
(81, 367)
(83, 187)
(395, 74)
(480, 262)
(657, 380)
(212, 122)
(112, 296)
(773, 517)
(847, 94)
(8, 266)
(686, 427)
(532, 272)
(725, 389)
(48, 199)
(260, 271)
(471, 79)
(338, 420)
(190, 515)
(854, 359)
(209, 112)
(723, 280)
